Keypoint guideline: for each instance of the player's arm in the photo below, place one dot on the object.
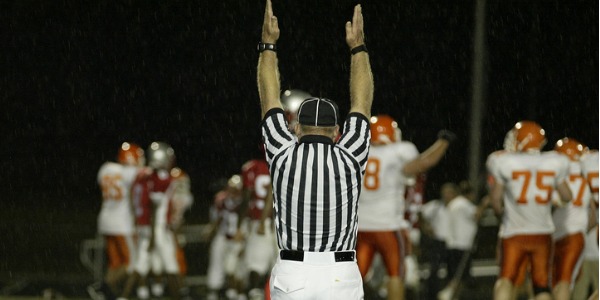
(361, 77)
(496, 195)
(564, 192)
(268, 71)
(431, 156)
(267, 210)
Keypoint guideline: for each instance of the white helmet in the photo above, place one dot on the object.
(161, 156)
(291, 100)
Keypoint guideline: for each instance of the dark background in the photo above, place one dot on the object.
(80, 77)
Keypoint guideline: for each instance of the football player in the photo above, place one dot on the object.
(152, 194)
(589, 268)
(261, 248)
(181, 200)
(571, 221)
(390, 164)
(115, 220)
(215, 273)
(521, 194)
(234, 238)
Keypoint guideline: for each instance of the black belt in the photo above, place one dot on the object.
(299, 255)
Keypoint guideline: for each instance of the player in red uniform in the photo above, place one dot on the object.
(261, 248)
(152, 193)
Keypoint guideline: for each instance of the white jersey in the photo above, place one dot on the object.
(461, 224)
(573, 216)
(381, 203)
(589, 169)
(116, 215)
(436, 214)
(529, 179)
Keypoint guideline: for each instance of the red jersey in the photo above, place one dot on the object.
(151, 188)
(256, 179)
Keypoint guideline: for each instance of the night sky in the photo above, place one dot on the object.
(81, 77)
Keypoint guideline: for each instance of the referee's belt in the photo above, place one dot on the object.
(317, 257)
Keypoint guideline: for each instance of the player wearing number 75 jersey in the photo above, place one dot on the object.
(115, 221)
(524, 182)
(390, 166)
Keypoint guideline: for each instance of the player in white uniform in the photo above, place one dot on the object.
(381, 204)
(589, 269)
(571, 221)
(524, 181)
(115, 221)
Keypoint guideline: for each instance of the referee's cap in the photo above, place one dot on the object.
(318, 112)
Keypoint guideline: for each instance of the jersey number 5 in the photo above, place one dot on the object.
(540, 185)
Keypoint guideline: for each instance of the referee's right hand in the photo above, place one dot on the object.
(270, 29)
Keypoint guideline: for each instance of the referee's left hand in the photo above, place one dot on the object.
(270, 29)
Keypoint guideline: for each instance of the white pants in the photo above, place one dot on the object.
(261, 250)
(164, 246)
(317, 277)
(215, 275)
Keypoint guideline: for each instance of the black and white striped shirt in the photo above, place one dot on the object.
(316, 183)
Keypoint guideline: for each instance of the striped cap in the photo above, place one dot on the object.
(318, 112)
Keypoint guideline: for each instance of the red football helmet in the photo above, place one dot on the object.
(131, 154)
(570, 147)
(529, 135)
(384, 130)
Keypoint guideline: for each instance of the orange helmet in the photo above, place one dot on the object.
(569, 147)
(384, 130)
(529, 135)
(131, 154)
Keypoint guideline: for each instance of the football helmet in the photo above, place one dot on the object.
(131, 154)
(291, 100)
(529, 135)
(161, 156)
(384, 130)
(570, 147)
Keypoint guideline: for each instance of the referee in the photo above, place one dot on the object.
(316, 181)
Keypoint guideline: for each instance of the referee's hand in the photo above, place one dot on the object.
(270, 29)
(355, 35)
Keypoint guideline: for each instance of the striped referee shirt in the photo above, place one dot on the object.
(316, 183)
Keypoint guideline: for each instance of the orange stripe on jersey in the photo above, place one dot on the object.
(567, 252)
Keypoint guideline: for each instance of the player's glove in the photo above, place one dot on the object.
(446, 135)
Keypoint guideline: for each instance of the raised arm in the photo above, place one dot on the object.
(267, 70)
(431, 156)
(361, 77)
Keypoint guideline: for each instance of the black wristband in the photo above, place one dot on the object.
(447, 135)
(266, 46)
(357, 49)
